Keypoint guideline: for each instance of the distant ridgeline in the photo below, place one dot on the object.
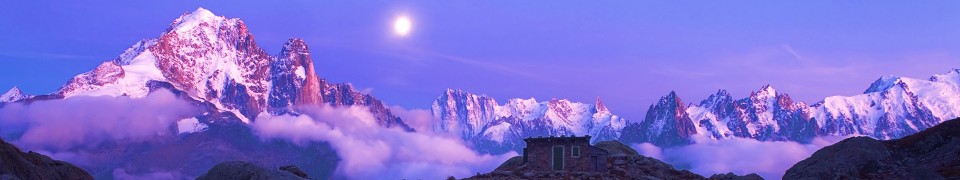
(891, 107)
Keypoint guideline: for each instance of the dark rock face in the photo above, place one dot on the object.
(344, 94)
(623, 162)
(245, 170)
(294, 79)
(15, 164)
(930, 154)
(667, 124)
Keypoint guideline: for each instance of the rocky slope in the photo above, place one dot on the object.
(891, 107)
(246, 170)
(495, 128)
(16, 164)
(625, 163)
(933, 153)
(217, 60)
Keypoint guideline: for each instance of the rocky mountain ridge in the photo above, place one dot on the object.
(891, 107)
(496, 128)
(216, 59)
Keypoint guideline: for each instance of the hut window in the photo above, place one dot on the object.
(575, 151)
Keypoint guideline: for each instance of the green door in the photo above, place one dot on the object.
(558, 158)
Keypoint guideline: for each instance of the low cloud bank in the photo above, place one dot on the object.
(83, 121)
(769, 159)
(421, 120)
(121, 174)
(369, 151)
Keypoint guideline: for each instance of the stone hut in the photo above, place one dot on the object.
(563, 154)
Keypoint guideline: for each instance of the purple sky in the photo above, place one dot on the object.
(629, 52)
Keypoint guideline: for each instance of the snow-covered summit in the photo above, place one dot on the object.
(189, 21)
(215, 59)
(882, 84)
(13, 95)
(891, 107)
(766, 92)
(951, 77)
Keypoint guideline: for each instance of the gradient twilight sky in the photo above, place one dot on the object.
(627, 52)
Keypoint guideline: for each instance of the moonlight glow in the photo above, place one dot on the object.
(402, 25)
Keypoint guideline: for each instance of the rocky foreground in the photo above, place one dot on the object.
(246, 170)
(625, 163)
(16, 164)
(933, 153)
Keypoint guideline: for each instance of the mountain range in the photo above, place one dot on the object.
(891, 107)
(215, 63)
(495, 128)
(215, 59)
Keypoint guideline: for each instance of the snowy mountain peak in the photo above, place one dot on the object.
(666, 124)
(12, 95)
(600, 106)
(720, 97)
(670, 98)
(214, 59)
(202, 12)
(295, 45)
(766, 91)
(883, 83)
(722, 92)
(196, 18)
(952, 77)
(459, 92)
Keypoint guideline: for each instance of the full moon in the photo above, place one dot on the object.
(402, 25)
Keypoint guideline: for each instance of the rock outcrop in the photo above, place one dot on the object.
(246, 170)
(15, 164)
(930, 154)
(624, 163)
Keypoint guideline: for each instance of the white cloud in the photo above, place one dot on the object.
(122, 174)
(84, 121)
(369, 151)
(742, 156)
(421, 120)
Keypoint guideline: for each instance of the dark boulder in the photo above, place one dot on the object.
(15, 164)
